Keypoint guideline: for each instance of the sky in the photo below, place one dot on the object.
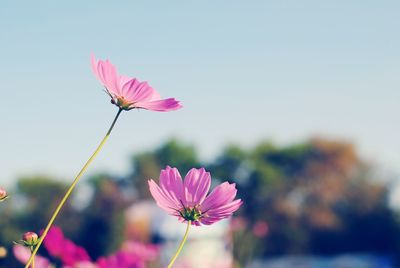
(245, 71)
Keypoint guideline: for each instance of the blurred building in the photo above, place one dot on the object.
(207, 246)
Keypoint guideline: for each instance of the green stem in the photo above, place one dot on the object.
(70, 189)
(33, 260)
(180, 246)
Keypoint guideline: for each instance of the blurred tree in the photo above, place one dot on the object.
(41, 196)
(147, 165)
(102, 228)
(230, 165)
(316, 197)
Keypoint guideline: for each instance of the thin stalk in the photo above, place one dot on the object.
(180, 246)
(33, 260)
(71, 188)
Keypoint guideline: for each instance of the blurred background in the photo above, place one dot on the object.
(296, 102)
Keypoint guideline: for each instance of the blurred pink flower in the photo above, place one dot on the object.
(238, 224)
(188, 199)
(119, 260)
(3, 194)
(84, 264)
(132, 255)
(128, 93)
(147, 252)
(260, 229)
(58, 246)
(22, 254)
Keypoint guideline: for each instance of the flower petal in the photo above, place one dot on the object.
(214, 215)
(59, 246)
(162, 199)
(196, 185)
(126, 84)
(107, 74)
(143, 92)
(220, 196)
(160, 105)
(54, 241)
(171, 183)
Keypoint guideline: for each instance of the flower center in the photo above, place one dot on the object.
(123, 103)
(190, 214)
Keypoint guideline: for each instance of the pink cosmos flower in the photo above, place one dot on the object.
(188, 199)
(128, 93)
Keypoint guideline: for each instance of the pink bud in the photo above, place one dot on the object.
(30, 238)
(3, 194)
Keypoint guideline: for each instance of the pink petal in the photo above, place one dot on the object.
(196, 185)
(73, 253)
(160, 105)
(142, 92)
(121, 259)
(214, 215)
(58, 246)
(54, 241)
(84, 264)
(162, 199)
(171, 183)
(107, 74)
(220, 196)
(128, 86)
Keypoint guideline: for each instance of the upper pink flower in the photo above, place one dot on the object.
(128, 93)
(188, 199)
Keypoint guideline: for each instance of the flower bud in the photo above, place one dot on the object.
(30, 239)
(3, 194)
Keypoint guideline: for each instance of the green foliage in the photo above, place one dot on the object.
(41, 196)
(101, 231)
(147, 165)
(177, 154)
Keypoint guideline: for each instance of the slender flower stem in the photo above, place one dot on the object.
(70, 189)
(33, 260)
(180, 246)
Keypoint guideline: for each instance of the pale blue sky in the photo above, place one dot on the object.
(244, 70)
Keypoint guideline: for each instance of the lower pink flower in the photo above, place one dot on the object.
(188, 199)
